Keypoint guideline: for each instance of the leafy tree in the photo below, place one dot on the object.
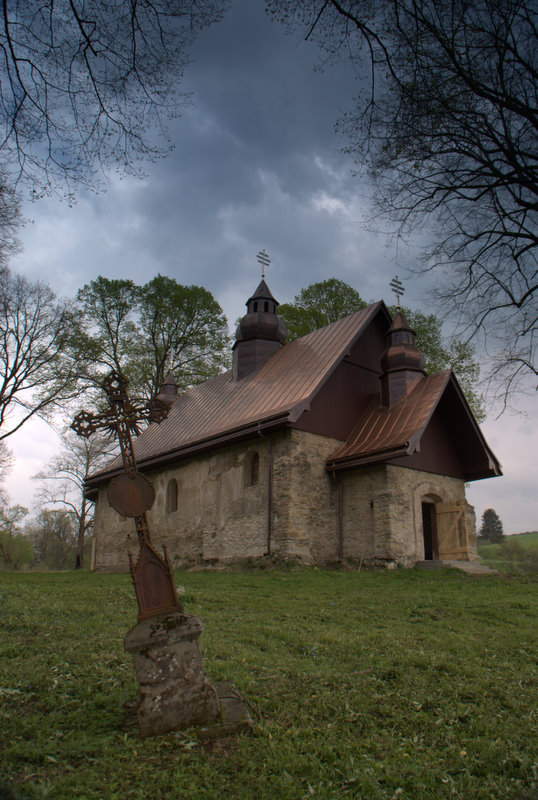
(492, 527)
(184, 330)
(144, 331)
(54, 537)
(86, 84)
(318, 305)
(447, 128)
(38, 368)
(15, 548)
(62, 481)
(107, 334)
(324, 302)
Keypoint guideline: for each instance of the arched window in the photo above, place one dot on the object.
(266, 306)
(171, 496)
(255, 308)
(252, 469)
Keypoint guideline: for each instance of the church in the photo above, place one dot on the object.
(336, 447)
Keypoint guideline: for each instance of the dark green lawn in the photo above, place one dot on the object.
(403, 684)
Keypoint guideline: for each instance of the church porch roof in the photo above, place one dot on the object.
(383, 434)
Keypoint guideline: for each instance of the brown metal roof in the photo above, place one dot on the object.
(382, 434)
(220, 409)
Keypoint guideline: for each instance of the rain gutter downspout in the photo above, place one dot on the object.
(340, 516)
(269, 493)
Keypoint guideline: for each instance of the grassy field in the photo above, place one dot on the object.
(401, 685)
(515, 554)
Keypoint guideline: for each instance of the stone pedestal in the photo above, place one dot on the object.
(174, 690)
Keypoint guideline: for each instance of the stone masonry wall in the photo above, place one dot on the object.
(383, 512)
(221, 518)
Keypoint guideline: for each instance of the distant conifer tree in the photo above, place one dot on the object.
(492, 527)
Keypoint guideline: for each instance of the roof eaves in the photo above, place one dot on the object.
(373, 457)
(493, 462)
(217, 440)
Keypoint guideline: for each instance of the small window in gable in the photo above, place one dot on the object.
(171, 496)
(252, 469)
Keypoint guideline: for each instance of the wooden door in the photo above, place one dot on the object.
(452, 531)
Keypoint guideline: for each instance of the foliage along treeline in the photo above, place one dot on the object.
(50, 541)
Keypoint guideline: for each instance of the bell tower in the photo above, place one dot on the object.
(260, 332)
(402, 362)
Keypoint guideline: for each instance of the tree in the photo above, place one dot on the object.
(10, 220)
(15, 548)
(6, 464)
(54, 538)
(144, 331)
(322, 303)
(184, 330)
(492, 527)
(38, 368)
(62, 482)
(86, 84)
(318, 305)
(447, 128)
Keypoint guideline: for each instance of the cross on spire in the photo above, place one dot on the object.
(263, 260)
(398, 289)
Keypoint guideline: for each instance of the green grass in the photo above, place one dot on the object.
(401, 685)
(515, 554)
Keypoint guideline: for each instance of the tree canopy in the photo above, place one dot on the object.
(326, 301)
(318, 305)
(492, 527)
(145, 331)
(38, 367)
(447, 128)
(85, 85)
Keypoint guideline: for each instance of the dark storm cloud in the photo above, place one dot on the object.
(257, 164)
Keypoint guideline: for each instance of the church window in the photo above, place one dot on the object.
(255, 307)
(171, 496)
(252, 469)
(266, 306)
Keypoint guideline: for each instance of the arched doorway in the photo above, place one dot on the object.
(429, 530)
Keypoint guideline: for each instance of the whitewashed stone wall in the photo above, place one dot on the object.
(220, 518)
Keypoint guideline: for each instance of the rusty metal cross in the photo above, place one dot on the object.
(130, 493)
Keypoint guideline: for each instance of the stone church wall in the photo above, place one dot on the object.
(383, 512)
(222, 515)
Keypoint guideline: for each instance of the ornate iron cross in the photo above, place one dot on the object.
(131, 494)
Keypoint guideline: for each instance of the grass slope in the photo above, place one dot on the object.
(404, 685)
(515, 554)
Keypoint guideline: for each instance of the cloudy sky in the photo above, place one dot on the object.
(256, 164)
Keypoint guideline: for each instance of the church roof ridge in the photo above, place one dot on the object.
(277, 393)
